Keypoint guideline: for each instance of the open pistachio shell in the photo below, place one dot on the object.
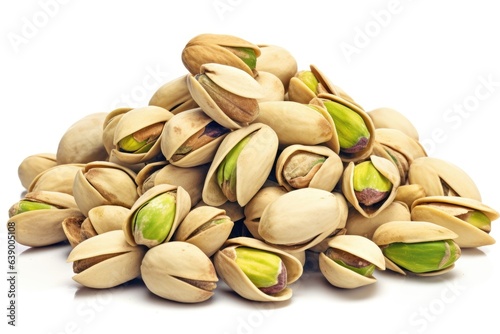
(325, 175)
(236, 279)
(439, 177)
(277, 60)
(109, 126)
(179, 129)
(182, 207)
(359, 246)
(387, 169)
(58, 179)
(253, 165)
(173, 96)
(442, 210)
(271, 85)
(121, 265)
(145, 177)
(393, 119)
(33, 165)
(179, 271)
(195, 228)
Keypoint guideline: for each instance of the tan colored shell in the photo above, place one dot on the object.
(109, 126)
(82, 141)
(111, 184)
(271, 85)
(432, 172)
(295, 123)
(210, 48)
(145, 177)
(300, 219)
(441, 210)
(58, 179)
(326, 177)
(40, 228)
(229, 78)
(359, 246)
(179, 129)
(33, 165)
(236, 279)
(121, 268)
(107, 218)
(182, 207)
(253, 165)
(357, 224)
(390, 118)
(277, 60)
(387, 169)
(409, 193)
(233, 210)
(173, 96)
(135, 120)
(178, 271)
(208, 240)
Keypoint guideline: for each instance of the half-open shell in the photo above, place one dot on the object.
(173, 96)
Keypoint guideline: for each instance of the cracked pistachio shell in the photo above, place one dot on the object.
(109, 126)
(104, 183)
(411, 232)
(182, 207)
(134, 121)
(179, 271)
(387, 169)
(145, 177)
(82, 141)
(212, 48)
(296, 123)
(195, 228)
(43, 227)
(182, 127)
(393, 119)
(358, 224)
(439, 177)
(278, 61)
(322, 176)
(252, 167)
(442, 210)
(359, 246)
(33, 165)
(230, 79)
(112, 260)
(300, 219)
(173, 96)
(233, 210)
(236, 279)
(58, 179)
(271, 85)
(254, 208)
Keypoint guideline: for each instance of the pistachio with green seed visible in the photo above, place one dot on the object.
(370, 186)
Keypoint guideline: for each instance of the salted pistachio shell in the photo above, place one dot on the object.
(33, 165)
(356, 245)
(390, 118)
(196, 228)
(179, 271)
(174, 96)
(254, 208)
(325, 175)
(300, 219)
(107, 218)
(122, 263)
(271, 85)
(82, 141)
(439, 177)
(409, 193)
(182, 207)
(442, 210)
(58, 179)
(235, 278)
(295, 123)
(357, 224)
(182, 127)
(260, 151)
(104, 183)
(145, 177)
(387, 169)
(109, 126)
(277, 60)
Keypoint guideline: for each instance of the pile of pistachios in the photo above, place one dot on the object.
(239, 171)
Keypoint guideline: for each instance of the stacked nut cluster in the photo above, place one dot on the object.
(237, 171)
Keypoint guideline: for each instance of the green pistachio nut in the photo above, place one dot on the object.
(308, 78)
(370, 186)
(153, 221)
(265, 269)
(26, 205)
(141, 141)
(301, 167)
(478, 219)
(226, 172)
(351, 129)
(246, 54)
(350, 261)
(423, 257)
(238, 108)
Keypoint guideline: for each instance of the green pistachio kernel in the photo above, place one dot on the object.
(350, 261)
(246, 54)
(308, 78)
(370, 186)
(478, 219)
(26, 205)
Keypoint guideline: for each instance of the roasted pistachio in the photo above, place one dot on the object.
(174, 96)
(33, 165)
(278, 61)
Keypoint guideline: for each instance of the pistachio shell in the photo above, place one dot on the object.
(409, 193)
(145, 177)
(410, 232)
(234, 277)
(390, 118)
(107, 218)
(72, 227)
(58, 179)
(173, 96)
(109, 126)
(272, 87)
(277, 60)
(33, 165)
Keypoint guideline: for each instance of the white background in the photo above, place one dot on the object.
(63, 60)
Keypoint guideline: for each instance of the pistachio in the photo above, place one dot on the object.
(388, 118)
(58, 178)
(142, 140)
(370, 186)
(301, 168)
(28, 205)
(308, 78)
(248, 55)
(351, 262)
(173, 96)
(278, 61)
(33, 165)
(478, 219)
